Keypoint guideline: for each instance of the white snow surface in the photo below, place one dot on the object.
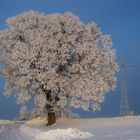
(124, 128)
(55, 134)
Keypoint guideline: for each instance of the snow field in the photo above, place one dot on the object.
(118, 128)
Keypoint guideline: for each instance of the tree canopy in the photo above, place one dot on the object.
(56, 60)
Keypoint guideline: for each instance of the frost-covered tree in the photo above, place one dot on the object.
(56, 60)
(24, 113)
(35, 112)
(38, 112)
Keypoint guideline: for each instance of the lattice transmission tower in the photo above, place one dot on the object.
(124, 106)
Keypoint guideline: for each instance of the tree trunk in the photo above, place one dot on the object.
(50, 109)
(51, 118)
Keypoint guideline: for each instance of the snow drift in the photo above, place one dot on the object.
(55, 134)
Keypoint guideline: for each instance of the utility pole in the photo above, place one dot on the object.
(124, 107)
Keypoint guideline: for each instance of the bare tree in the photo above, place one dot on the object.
(56, 60)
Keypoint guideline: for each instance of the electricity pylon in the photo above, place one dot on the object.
(124, 106)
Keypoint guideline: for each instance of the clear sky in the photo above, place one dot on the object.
(119, 18)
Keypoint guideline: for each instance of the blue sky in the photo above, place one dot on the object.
(119, 18)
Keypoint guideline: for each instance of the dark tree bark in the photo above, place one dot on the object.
(51, 118)
(50, 110)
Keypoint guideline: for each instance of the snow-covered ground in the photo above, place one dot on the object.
(125, 128)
